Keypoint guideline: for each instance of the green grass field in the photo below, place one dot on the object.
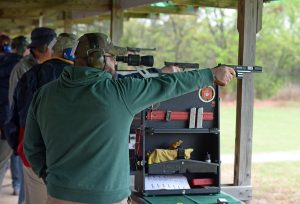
(274, 128)
(276, 182)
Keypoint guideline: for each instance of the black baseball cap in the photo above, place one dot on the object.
(19, 43)
(4, 40)
(41, 36)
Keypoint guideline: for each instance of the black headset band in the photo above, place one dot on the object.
(94, 44)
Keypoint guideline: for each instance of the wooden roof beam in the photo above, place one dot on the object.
(125, 4)
(208, 3)
(18, 13)
(55, 5)
(169, 10)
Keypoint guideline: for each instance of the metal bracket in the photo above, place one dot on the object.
(192, 118)
(145, 73)
(168, 115)
(200, 118)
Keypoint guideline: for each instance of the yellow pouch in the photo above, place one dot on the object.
(163, 155)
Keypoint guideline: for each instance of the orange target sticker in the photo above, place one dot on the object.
(207, 94)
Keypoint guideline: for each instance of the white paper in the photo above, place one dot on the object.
(157, 182)
(131, 144)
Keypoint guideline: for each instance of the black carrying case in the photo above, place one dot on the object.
(198, 132)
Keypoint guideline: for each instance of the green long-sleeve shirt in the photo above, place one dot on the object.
(77, 129)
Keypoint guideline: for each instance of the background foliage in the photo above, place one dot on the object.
(210, 37)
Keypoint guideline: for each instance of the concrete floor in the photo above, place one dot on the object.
(6, 196)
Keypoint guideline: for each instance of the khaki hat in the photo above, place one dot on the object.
(94, 41)
(63, 41)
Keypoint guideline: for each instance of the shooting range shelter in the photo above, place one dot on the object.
(21, 16)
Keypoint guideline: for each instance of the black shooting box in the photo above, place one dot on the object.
(177, 147)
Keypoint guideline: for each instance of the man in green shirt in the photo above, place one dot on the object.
(76, 135)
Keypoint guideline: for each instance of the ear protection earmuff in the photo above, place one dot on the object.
(6, 48)
(68, 54)
(95, 55)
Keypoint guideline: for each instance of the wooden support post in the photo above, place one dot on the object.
(116, 21)
(249, 22)
(67, 18)
(41, 20)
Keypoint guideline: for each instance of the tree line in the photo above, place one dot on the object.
(210, 37)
